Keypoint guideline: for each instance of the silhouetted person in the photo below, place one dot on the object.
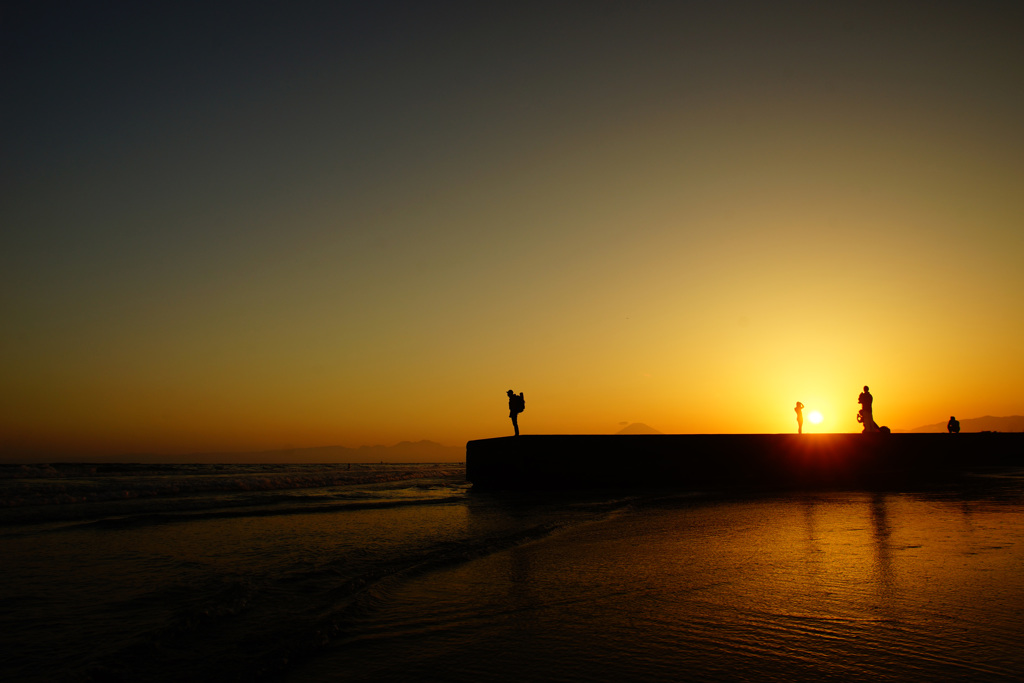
(516, 405)
(953, 425)
(865, 416)
(799, 417)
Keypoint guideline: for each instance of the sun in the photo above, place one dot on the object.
(814, 416)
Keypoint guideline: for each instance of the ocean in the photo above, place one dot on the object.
(385, 572)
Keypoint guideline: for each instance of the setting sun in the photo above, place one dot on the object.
(677, 221)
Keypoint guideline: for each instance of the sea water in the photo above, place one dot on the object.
(403, 572)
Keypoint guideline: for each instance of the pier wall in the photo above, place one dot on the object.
(733, 460)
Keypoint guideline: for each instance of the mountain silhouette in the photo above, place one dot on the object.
(403, 452)
(1014, 423)
(638, 428)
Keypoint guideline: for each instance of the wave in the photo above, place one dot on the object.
(72, 492)
(291, 617)
(173, 517)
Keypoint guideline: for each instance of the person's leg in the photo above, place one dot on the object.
(515, 422)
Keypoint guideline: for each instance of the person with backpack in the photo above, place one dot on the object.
(516, 405)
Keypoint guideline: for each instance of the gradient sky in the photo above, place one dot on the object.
(255, 225)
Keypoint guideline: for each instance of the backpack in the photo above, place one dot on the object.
(520, 403)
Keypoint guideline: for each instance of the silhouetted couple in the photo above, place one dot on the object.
(516, 405)
(865, 416)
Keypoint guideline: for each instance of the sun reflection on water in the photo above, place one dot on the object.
(852, 585)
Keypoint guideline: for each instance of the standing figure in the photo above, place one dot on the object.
(516, 405)
(799, 417)
(953, 425)
(865, 416)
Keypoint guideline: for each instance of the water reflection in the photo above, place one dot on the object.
(883, 574)
(848, 586)
(808, 506)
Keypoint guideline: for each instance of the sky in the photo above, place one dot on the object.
(243, 226)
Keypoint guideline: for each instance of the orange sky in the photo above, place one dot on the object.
(361, 229)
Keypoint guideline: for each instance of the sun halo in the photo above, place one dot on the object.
(814, 416)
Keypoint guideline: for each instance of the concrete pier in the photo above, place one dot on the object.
(702, 461)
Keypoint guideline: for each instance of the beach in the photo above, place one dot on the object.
(409, 574)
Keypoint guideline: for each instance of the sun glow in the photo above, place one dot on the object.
(814, 416)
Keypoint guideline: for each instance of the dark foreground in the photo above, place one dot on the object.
(295, 573)
(741, 461)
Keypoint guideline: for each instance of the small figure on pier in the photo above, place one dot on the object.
(799, 417)
(516, 405)
(953, 425)
(865, 416)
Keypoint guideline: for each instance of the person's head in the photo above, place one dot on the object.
(865, 387)
(952, 418)
(511, 393)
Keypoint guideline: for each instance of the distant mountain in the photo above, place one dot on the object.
(406, 451)
(1014, 423)
(638, 428)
